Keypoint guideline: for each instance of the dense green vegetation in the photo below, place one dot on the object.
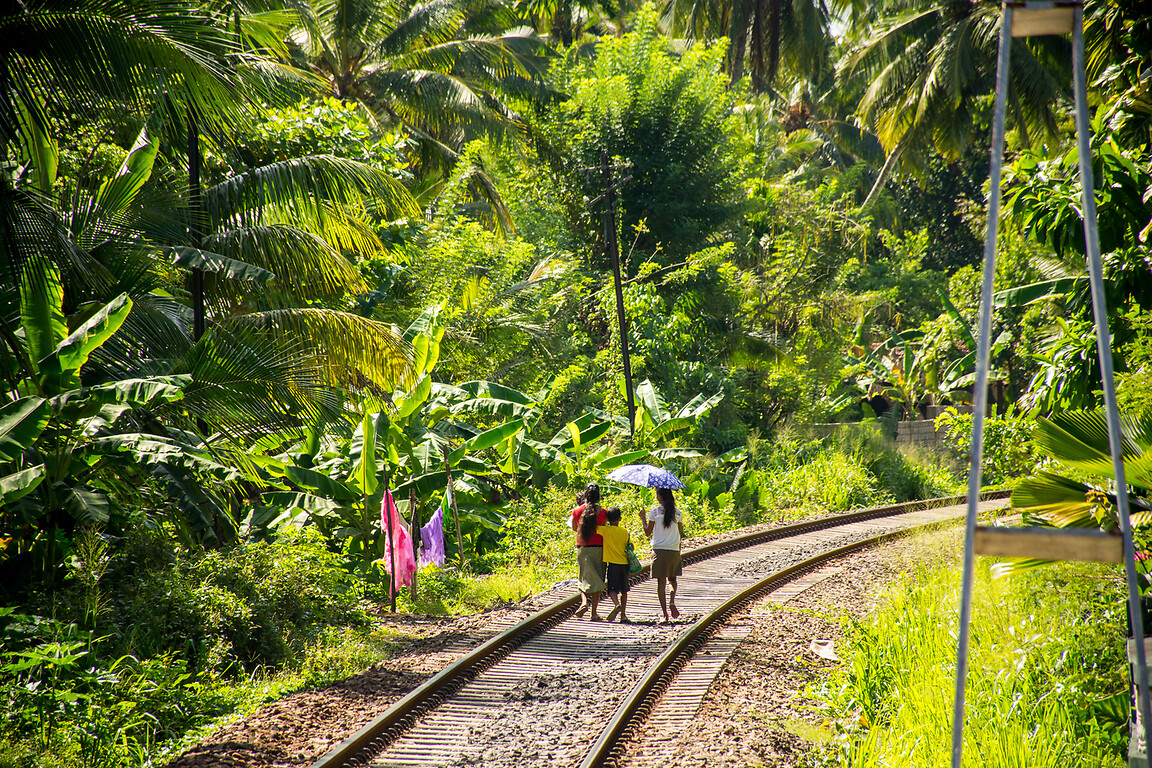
(261, 262)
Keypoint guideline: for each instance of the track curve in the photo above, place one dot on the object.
(540, 692)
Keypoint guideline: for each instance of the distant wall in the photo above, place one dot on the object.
(916, 432)
(920, 432)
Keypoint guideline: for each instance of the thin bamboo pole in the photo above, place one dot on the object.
(455, 511)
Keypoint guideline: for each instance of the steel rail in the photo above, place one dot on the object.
(389, 725)
(607, 750)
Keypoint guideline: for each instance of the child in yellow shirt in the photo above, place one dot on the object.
(616, 559)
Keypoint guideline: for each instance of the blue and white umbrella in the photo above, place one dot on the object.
(645, 475)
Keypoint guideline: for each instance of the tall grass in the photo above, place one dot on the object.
(1047, 682)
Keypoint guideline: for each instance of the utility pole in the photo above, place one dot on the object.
(610, 188)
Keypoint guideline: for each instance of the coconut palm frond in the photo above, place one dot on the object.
(146, 47)
(435, 21)
(246, 385)
(352, 351)
(303, 186)
(304, 264)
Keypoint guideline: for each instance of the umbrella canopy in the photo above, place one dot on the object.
(645, 475)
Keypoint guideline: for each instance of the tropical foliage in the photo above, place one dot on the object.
(263, 262)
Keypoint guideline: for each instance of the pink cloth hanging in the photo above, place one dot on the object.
(405, 560)
(432, 536)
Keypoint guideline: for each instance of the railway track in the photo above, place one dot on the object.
(554, 690)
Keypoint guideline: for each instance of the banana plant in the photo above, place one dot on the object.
(656, 424)
(67, 449)
(406, 443)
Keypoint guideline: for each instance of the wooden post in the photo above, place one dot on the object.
(455, 511)
(390, 538)
(415, 528)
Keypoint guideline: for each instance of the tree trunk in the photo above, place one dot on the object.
(195, 224)
(885, 173)
(738, 34)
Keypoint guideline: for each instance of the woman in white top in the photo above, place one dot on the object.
(664, 526)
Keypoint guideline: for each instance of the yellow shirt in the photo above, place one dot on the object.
(615, 539)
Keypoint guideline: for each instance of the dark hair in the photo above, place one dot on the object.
(613, 514)
(664, 496)
(591, 509)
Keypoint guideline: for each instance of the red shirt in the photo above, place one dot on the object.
(601, 519)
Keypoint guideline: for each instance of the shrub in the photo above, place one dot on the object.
(1009, 451)
(255, 604)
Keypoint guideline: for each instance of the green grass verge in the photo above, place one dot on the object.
(1047, 682)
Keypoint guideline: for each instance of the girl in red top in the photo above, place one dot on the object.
(590, 549)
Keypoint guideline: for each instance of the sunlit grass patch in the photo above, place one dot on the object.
(1047, 675)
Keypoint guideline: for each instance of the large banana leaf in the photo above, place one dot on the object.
(321, 484)
(415, 398)
(1027, 294)
(306, 502)
(41, 297)
(61, 367)
(21, 422)
(620, 459)
(652, 409)
(79, 403)
(20, 484)
(149, 451)
(207, 261)
(86, 505)
(699, 406)
(577, 436)
(487, 439)
(116, 194)
(676, 453)
(670, 427)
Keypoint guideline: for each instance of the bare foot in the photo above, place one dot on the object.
(624, 619)
(675, 612)
(595, 617)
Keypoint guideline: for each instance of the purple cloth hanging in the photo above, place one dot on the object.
(432, 538)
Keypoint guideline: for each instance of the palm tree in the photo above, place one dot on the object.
(564, 21)
(265, 363)
(142, 55)
(438, 68)
(763, 34)
(930, 64)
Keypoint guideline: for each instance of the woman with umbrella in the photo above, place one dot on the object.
(663, 525)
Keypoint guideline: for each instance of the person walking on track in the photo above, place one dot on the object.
(590, 549)
(665, 527)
